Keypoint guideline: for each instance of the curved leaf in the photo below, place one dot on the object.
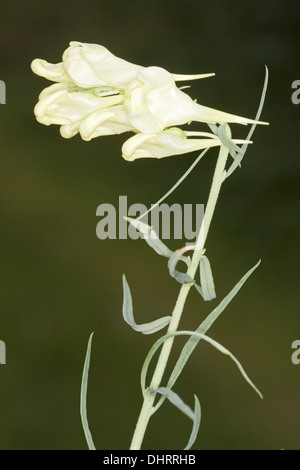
(83, 395)
(226, 140)
(203, 328)
(195, 415)
(150, 236)
(174, 399)
(145, 328)
(214, 343)
(196, 424)
(182, 278)
(181, 179)
(206, 279)
(238, 159)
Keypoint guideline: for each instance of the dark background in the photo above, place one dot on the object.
(59, 282)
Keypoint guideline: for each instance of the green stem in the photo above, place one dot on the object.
(147, 407)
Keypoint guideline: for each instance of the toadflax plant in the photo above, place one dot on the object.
(96, 93)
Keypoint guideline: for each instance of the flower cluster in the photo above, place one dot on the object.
(97, 93)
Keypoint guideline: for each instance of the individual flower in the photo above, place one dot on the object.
(88, 65)
(167, 143)
(88, 113)
(153, 102)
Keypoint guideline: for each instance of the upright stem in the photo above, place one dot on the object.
(146, 410)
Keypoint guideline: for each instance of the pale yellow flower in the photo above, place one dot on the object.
(92, 65)
(88, 65)
(167, 143)
(88, 113)
(153, 102)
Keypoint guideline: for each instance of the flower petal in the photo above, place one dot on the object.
(105, 122)
(58, 105)
(181, 78)
(90, 65)
(54, 72)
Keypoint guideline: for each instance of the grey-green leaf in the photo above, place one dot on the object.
(206, 279)
(175, 400)
(150, 237)
(214, 343)
(203, 328)
(195, 415)
(178, 182)
(240, 156)
(145, 328)
(182, 278)
(226, 140)
(83, 396)
(196, 424)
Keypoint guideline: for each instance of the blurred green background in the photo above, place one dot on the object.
(59, 282)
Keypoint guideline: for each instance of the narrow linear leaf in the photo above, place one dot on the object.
(153, 241)
(145, 328)
(213, 128)
(220, 132)
(196, 424)
(211, 318)
(226, 140)
(181, 179)
(175, 400)
(195, 415)
(238, 159)
(214, 343)
(199, 289)
(182, 278)
(83, 395)
(206, 279)
(150, 236)
(203, 328)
